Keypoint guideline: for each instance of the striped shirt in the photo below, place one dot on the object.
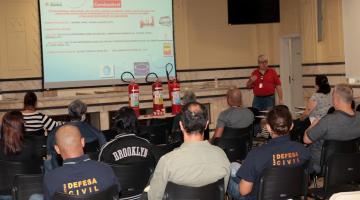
(36, 121)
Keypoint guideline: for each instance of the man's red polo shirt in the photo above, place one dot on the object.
(265, 84)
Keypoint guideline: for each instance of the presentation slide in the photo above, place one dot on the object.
(92, 42)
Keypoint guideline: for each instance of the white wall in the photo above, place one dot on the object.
(351, 24)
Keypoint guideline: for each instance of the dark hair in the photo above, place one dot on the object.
(322, 82)
(280, 120)
(125, 121)
(194, 117)
(30, 99)
(12, 132)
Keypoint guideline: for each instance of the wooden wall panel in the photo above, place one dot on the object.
(20, 39)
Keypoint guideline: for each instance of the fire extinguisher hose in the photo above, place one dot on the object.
(124, 80)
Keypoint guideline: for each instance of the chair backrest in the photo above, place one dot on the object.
(110, 193)
(9, 169)
(133, 177)
(155, 133)
(27, 184)
(235, 142)
(342, 169)
(333, 146)
(283, 183)
(213, 191)
(92, 146)
(39, 143)
(346, 196)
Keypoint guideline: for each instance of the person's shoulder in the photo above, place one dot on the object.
(98, 166)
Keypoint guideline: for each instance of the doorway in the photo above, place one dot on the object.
(291, 71)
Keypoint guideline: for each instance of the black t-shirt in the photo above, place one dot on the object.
(79, 176)
(126, 149)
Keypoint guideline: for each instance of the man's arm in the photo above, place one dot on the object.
(245, 187)
(251, 80)
(218, 133)
(306, 138)
(280, 94)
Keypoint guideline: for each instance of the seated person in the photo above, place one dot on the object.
(13, 145)
(343, 124)
(79, 175)
(36, 123)
(316, 107)
(126, 147)
(235, 116)
(77, 113)
(245, 183)
(196, 162)
(176, 134)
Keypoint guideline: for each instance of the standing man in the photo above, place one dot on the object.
(264, 81)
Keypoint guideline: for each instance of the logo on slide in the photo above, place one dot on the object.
(107, 71)
(165, 21)
(107, 3)
(141, 68)
(167, 49)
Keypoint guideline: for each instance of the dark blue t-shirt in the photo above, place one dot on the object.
(79, 176)
(279, 151)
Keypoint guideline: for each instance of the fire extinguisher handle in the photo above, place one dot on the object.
(147, 76)
(126, 81)
(168, 71)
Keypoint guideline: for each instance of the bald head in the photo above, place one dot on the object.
(69, 142)
(234, 97)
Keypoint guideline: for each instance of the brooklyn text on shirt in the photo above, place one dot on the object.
(82, 187)
(130, 151)
(283, 159)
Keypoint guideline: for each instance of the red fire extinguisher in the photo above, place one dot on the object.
(158, 102)
(133, 92)
(174, 88)
(174, 91)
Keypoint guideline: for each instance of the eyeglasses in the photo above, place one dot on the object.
(263, 62)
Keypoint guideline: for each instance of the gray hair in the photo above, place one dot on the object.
(345, 92)
(189, 96)
(77, 109)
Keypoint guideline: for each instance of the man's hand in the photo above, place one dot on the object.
(253, 78)
(281, 102)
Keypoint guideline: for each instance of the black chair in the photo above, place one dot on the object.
(26, 185)
(92, 146)
(236, 142)
(162, 149)
(9, 169)
(155, 133)
(213, 191)
(39, 143)
(110, 193)
(133, 177)
(331, 147)
(283, 183)
(334, 146)
(342, 174)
